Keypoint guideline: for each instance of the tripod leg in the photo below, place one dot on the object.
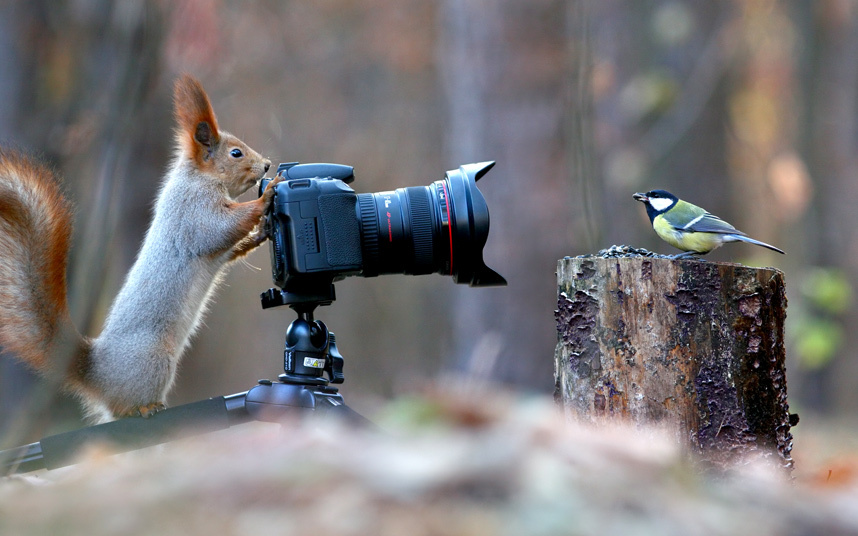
(348, 414)
(128, 434)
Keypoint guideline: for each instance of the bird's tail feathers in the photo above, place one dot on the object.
(744, 238)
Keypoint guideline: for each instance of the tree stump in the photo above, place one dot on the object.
(690, 345)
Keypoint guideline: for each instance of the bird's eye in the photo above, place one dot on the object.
(236, 153)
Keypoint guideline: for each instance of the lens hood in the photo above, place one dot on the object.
(469, 215)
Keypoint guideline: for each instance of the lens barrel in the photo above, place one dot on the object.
(441, 228)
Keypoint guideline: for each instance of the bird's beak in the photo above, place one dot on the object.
(641, 197)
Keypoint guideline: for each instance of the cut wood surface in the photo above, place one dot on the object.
(690, 345)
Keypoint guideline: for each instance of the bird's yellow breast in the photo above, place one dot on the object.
(684, 240)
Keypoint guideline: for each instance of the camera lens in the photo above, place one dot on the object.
(441, 228)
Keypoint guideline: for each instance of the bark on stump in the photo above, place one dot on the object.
(693, 346)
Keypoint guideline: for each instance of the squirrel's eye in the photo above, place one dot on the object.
(236, 153)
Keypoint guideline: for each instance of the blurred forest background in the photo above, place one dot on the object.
(747, 107)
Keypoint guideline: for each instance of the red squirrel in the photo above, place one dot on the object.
(197, 230)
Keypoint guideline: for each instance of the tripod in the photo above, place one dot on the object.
(310, 353)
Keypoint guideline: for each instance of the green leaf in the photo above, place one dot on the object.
(828, 289)
(817, 342)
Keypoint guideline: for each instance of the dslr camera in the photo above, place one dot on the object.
(321, 231)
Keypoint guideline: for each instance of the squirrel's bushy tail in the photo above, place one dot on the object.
(35, 235)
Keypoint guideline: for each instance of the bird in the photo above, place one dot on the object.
(689, 227)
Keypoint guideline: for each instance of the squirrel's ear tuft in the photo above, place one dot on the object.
(197, 130)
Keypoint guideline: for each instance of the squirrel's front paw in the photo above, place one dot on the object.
(145, 411)
(268, 194)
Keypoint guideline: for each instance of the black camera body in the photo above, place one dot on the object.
(321, 231)
(313, 226)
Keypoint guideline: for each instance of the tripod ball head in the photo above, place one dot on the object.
(307, 336)
(305, 354)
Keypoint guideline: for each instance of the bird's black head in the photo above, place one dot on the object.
(657, 202)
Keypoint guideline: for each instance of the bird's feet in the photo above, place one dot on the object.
(688, 255)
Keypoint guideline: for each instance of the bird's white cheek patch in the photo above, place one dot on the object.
(659, 204)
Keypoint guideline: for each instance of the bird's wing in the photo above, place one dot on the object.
(691, 218)
(710, 223)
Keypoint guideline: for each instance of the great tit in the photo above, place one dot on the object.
(689, 227)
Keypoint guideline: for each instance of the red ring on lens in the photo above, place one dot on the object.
(449, 222)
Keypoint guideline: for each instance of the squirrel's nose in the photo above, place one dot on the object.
(267, 165)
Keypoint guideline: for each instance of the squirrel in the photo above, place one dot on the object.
(197, 230)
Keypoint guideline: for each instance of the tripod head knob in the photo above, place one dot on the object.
(335, 363)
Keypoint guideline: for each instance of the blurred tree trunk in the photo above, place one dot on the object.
(832, 145)
(14, 380)
(761, 124)
(503, 65)
(81, 73)
(579, 129)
